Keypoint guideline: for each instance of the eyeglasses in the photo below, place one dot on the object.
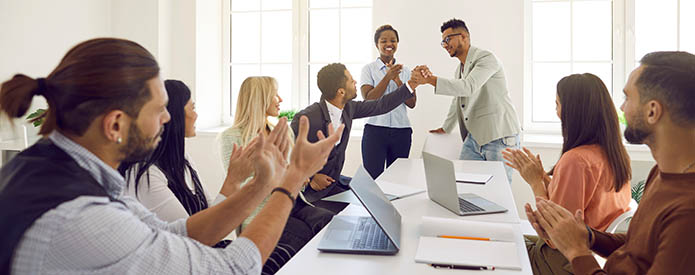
(446, 39)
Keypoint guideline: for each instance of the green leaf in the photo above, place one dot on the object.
(33, 116)
(638, 190)
(289, 114)
(621, 117)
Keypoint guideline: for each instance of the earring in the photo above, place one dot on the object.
(119, 140)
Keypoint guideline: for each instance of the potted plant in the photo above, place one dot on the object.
(622, 120)
(35, 118)
(289, 114)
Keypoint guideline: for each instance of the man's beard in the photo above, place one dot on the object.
(454, 53)
(138, 147)
(635, 133)
(351, 98)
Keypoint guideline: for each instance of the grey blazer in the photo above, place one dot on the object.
(319, 120)
(481, 102)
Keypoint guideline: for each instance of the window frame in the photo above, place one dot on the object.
(617, 30)
(301, 78)
(623, 54)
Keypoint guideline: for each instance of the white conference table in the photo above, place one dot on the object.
(411, 172)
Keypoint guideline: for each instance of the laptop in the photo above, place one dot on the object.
(441, 188)
(379, 233)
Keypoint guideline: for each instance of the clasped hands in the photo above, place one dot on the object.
(421, 75)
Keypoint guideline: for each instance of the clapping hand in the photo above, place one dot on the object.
(308, 158)
(531, 216)
(270, 156)
(394, 71)
(566, 231)
(530, 167)
(240, 167)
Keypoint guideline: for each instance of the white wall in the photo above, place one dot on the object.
(36, 34)
(208, 57)
(136, 20)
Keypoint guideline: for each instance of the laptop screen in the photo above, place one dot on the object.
(377, 204)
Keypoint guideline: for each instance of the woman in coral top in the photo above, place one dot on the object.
(593, 172)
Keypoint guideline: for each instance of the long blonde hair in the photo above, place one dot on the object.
(255, 96)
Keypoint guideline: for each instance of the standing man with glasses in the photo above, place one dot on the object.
(481, 104)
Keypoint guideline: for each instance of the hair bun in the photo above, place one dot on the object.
(41, 83)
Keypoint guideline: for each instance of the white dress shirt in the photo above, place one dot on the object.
(336, 115)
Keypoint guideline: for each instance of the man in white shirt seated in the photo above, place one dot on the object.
(338, 89)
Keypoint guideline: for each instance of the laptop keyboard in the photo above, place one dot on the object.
(467, 207)
(369, 235)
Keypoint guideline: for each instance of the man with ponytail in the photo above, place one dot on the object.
(62, 205)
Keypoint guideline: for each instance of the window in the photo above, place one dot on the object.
(603, 37)
(291, 40)
(568, 37)
(663, 25)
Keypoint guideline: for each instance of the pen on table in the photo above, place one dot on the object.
(463, 238)
(466, 267)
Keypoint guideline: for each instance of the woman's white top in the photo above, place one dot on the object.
(159, 199)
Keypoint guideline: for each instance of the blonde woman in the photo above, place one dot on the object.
(257, 101)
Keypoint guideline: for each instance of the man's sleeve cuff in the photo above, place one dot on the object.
(409, 88)
(585, 265)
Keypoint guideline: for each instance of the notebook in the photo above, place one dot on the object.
(500, 252)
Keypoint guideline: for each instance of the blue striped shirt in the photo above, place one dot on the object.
(92, 235)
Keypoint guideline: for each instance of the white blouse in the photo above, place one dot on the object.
(159, 199)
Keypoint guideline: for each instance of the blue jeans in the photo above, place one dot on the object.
(492, 151)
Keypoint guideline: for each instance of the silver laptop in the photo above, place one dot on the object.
(379, 233)
(441, 188)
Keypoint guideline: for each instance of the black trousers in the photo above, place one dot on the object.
(303, 224)
(381, 146)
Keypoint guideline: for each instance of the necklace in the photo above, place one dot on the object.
(689, 166)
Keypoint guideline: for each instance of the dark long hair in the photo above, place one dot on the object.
(93, 78)
(589, 117)
(169, 156)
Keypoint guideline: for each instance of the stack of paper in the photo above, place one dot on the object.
(472, 178)
(392, 191)
(439, 245)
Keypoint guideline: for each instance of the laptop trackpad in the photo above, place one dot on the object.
(339, 235)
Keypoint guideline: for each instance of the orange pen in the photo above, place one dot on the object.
(463, 238)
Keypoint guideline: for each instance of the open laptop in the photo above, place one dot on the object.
(441, 188)
(379, 233)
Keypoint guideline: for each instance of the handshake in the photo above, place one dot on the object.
(421, 75)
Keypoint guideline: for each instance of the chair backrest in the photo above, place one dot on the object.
(446, 145)
(624, 218)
